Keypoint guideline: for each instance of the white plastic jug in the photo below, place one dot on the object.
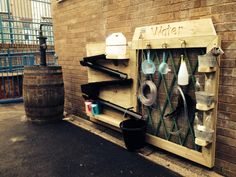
(116, 46)
(183, 76)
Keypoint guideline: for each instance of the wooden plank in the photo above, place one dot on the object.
(115, 94)
(209, 152)
(190, 28)
(109, 120)
(104, 124)
(179, 150)
(203, 107)
(112, 118)
(191, 42)
(134, 74)
(206, 157)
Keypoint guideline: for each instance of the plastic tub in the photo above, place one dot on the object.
(207, 60)
(95, 109)
(202, 133)
(134, 132)
(204, 98)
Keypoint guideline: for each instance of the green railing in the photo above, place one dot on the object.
(20, 22)
(178, 128)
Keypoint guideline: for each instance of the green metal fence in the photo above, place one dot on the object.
(177, 128)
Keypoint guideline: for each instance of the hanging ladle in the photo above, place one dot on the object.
(163, 67)
(148, 66)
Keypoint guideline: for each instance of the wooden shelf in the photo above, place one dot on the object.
(116, 57)
(109, 120)
(201, 142)
(203, 107)
(206, 69)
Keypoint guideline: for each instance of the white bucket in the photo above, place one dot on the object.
(116, 46)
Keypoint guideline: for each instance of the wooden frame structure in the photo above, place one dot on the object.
(190, 34)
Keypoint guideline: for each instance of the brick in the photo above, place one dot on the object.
(224, 8)
(226, 124)
(226, 156)
(225, 165)
(226, 140)
(232, 116)
(229, 53)
(226, 81)
(210, 2)
(228, 17)
(227, 63)
(227, 35)
(222, 98)
(228, 90)
(226, 150)
(226, 132)
(230, 26)
(226, 72)
(227, 107)
(228, 45)
(202, 11)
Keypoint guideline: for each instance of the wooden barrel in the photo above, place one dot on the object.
(43, 93)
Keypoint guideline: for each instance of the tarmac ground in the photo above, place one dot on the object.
(64, 150)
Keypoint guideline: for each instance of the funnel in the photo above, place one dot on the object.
(148, 66)
(163, 67)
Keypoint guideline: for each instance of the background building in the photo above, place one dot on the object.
(19, 28)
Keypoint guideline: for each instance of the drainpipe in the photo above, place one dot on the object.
(43, 46)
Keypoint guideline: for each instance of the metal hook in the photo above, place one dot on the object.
(148, 45)
(164, 45)
(183, 43)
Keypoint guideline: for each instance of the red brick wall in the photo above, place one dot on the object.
(79, 22)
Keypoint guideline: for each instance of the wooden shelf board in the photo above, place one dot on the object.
(206, 69)
(109, 120)
(201, 142)
(203, 107)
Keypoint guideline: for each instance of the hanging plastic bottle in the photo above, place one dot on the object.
(208, 121)
(196, 120)
(197, 85)
(208, 84)
(183, 76)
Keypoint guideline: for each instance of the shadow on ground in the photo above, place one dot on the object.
(63, 150)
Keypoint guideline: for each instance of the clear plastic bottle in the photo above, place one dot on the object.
(209, 84)
(196, 119)
(197, 85)
(208, 122)
(183, 76)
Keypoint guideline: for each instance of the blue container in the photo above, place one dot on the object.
(95, 109)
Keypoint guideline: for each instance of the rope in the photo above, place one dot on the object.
(150, 98)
